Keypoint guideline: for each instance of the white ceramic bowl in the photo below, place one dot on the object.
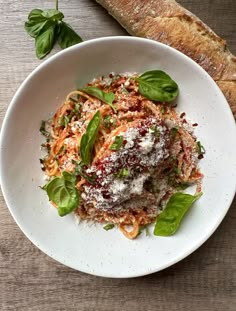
(91, 249)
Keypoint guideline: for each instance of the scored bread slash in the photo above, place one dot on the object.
(168, 22)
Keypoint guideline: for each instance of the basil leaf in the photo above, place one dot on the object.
(108, 227)
(36, 16)
(45, 41)
(157, 85)
(169, 220)
(35, 29)
(67, 36)
(53, 14)
(88, 139)
(62, 192)
(40, 20)
(108, 98)
(45, 26)
(118, 142)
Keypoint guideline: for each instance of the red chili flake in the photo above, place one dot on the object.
(200, 156)
(182, 114)
(184, 121)
(194, 124)
(111, 75)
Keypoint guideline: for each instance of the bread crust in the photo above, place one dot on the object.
(168, 22)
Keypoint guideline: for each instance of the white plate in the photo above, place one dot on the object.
(91, 249)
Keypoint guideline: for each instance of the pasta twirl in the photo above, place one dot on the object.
(143, 152)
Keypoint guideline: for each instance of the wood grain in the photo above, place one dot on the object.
(30, 280)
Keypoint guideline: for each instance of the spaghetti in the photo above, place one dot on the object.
(143, 153)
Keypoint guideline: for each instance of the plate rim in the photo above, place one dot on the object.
(3, 135)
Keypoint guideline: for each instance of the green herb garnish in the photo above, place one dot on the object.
(155, 130)
(74, 100)
(200, 149)
(47, 27)
(124, 90)
(109, 122)
(79, 170)
(62, 191)
(174, 132)
(118, 142)
(162, 110)
(157, 85)
(152, 186)
(88, 139)
(108, 227)
(43, 130)
(61, 150)
(64, 120)
(123, 173)
(107, 98)
(77, 108)
(142, 228)
(168, 222)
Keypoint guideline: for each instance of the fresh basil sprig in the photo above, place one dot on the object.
(47, 27)
(88, 139)
(108, 98)
(157, 85)
(62, 192)
(169, 220)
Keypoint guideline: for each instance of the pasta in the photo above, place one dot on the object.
(143, 152)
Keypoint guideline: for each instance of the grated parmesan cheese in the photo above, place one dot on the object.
(141, 152)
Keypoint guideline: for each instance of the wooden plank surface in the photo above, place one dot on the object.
(29, 279)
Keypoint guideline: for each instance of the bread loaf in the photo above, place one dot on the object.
(168, 22)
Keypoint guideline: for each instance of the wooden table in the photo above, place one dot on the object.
(29, 279)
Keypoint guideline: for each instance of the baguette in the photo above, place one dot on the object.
(168, 22)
